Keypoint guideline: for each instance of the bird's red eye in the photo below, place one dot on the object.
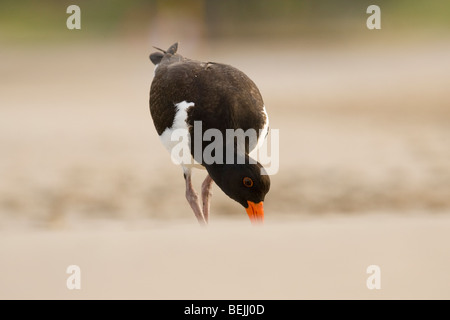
(248, 182)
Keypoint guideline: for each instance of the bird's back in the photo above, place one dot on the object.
(223, 96)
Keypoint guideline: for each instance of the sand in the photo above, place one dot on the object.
(85, 180)
(291, 259)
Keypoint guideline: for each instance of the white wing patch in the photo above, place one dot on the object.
(262, 136)
(181, 126)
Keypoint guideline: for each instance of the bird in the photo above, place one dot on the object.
(190, 97)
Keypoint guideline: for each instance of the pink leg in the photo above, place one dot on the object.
(206, 196)
(192, 198)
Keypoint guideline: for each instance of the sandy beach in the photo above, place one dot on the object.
(290, 259)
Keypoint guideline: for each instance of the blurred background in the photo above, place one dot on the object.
(364, 115)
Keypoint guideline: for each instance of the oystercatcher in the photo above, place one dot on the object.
(187, 98)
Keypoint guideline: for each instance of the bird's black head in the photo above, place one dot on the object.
(244, 183)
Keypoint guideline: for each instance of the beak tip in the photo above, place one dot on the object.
(255, 212)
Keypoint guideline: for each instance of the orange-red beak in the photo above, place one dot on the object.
(255, 212)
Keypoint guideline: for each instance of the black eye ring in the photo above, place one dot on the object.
(248, 182)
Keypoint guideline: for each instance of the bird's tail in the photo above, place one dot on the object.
(157, 56)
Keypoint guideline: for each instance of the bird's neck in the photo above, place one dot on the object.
(218, 172)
